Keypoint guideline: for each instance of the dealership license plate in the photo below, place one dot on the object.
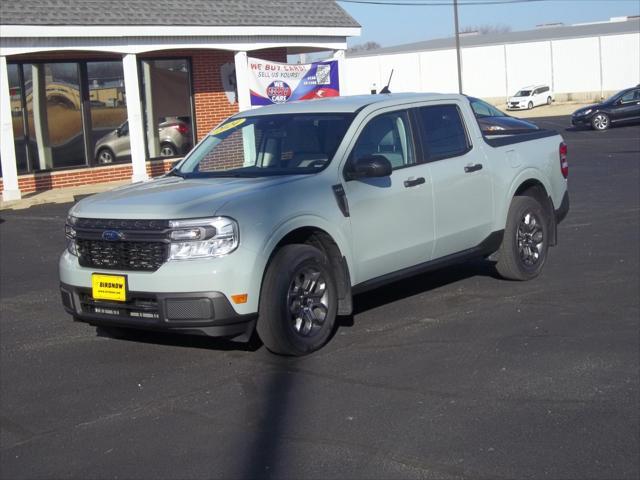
(109, 287)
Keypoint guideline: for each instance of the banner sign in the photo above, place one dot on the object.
(272, 82)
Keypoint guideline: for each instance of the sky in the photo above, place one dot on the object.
(396, 25)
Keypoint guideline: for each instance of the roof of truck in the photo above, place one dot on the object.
(348, 104)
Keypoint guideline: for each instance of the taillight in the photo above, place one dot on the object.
(564, 164)
(182, 128)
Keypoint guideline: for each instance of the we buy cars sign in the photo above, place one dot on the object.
(272, 82)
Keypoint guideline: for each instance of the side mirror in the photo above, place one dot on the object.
(371, 166)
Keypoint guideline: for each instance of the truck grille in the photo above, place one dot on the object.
(148, 256)
(143, 244)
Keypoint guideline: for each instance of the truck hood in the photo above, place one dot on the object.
(173, 197)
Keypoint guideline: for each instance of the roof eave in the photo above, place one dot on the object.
(119, 31)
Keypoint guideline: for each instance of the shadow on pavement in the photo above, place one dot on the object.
(366, 301)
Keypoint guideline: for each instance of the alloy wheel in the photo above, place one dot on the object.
(530, 238)
(308, 301)
(600, 122)
(105, 156)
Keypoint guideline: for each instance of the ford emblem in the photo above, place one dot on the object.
(112, 235)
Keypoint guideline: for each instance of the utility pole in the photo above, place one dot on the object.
(455, 18)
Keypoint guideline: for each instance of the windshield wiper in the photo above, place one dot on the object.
(175, 173)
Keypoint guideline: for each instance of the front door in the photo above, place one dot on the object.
(628, 107)
(391, 217)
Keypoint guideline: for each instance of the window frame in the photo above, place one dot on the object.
(86, 124)
(412, 142)
(635, 96)
(423, 146)
(141, 89)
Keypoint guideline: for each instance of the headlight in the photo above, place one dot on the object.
(203, 237)
(586, 112)
(70, 235)
(493, 128)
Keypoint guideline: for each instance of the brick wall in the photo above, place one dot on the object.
(37, 182)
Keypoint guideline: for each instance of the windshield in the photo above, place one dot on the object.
(483, 109)
(523, 93)
(268, 145)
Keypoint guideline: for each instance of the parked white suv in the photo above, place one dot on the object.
(529, 97)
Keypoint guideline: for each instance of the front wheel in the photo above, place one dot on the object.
(526, 240)
(600, 121)
(105, 156)
(530, 106)
(298, 301)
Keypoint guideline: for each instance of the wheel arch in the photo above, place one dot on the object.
(533, 187)
(330, 244)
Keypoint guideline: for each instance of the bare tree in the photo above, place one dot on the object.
(364, 47)
(486, 28)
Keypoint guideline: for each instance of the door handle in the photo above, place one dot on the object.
(472, 168)
(412, 182)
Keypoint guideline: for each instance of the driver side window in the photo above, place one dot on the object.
(388, 136)
(630, 96)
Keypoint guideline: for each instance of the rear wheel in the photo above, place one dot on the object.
(168, 150)
(526, 240)
(298, 302)
(600, 121)
(549, 100)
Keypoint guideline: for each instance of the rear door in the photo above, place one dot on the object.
(391, 217)
(460, 175)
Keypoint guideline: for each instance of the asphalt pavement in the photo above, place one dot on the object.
(453, 374)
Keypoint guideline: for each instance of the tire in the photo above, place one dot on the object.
(600, 121)
(105, 156)
(168, 150)
(530, 106)
(298, 301)
(526, 240)
(549, 100)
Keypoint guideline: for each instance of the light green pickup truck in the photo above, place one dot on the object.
(276, 219)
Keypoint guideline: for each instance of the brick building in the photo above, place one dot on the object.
(99, 91)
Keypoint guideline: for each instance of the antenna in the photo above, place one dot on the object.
(386, 88)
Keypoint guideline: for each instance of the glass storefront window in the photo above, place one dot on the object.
(74, 114)
(167, 107)
(108, 107)
(57, 115)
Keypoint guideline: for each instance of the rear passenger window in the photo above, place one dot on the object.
(442, 132)
(388, 136)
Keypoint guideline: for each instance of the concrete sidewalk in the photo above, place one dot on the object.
(59, 195)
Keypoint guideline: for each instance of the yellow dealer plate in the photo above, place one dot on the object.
(109, 287)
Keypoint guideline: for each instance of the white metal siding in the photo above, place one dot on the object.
(568, 66)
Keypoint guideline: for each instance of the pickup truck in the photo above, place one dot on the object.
(280, 215)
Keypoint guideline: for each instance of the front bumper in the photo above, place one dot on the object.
(201, 313)
(581, 121)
